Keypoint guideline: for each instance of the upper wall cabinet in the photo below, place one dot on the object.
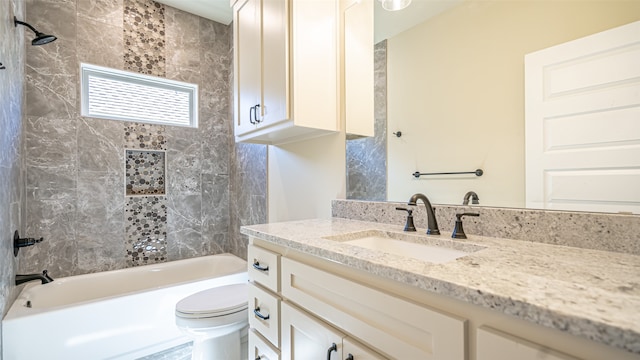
(288, 61)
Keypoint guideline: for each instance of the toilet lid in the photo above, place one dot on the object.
(219, 301)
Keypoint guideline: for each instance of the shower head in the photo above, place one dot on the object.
(40, 38)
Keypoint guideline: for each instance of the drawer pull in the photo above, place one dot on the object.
(333, 348)
(259, 357)
(349, 357)
(257, 313)
(256, 265)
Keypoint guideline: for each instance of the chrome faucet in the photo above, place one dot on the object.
(44, 277)
(474, 198)
(432, 224)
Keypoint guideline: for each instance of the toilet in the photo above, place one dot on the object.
(217, 321)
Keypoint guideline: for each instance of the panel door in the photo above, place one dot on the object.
(247, 47)
(352, 350)
(275, 57)
(582, 114)
(304, 338)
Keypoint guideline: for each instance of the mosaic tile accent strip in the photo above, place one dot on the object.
(144, 37)
(145, 136)
(145, 172)
(146, 230)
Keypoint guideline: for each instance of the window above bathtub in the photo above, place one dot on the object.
(121, 95)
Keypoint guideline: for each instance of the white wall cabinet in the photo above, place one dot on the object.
(286, 65)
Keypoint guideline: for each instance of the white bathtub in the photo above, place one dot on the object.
(121, 314)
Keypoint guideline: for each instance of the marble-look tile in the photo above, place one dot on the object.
(184, 160)
(180, 352)
(215, 205)
(100, 222)
(367, 157)
(50, 152)
(182, 45)
(51, 71)
(51, 214)
(100, 145)
(103, 50)
(12, 183)
(109, 12)
(184, 225)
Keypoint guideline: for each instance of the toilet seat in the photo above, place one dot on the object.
(216, 302)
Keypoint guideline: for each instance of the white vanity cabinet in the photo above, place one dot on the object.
(309, 309)
(286, 69)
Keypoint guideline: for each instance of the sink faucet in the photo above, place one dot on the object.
(474, 198)
(432, 224)
(44, 277)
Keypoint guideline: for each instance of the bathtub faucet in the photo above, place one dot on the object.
(44, 277)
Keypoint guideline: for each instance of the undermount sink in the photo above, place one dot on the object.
(429, 249)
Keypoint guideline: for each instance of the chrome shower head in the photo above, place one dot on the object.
(40, 38)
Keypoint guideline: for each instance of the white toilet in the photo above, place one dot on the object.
(217, 321)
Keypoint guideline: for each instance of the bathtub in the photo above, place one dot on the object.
(120, 314)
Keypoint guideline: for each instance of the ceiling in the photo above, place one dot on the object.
(387, 23)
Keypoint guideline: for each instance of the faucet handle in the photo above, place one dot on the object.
(45, 273)
(408, 226)
(458, 231)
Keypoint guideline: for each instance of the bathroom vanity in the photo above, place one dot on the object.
(323, 289)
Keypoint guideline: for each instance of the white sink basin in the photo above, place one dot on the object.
(433, 250)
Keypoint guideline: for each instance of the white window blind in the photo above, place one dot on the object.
(119, 95)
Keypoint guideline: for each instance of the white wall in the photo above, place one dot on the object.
(304, 177)
(456, 91)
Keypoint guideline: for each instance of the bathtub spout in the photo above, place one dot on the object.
(44, 277)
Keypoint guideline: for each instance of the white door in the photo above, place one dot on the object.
(582, 115)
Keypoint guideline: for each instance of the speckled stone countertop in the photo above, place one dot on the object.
(588, 293)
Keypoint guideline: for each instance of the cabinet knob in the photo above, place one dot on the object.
(349, 357)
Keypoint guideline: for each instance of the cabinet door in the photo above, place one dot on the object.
(306, 338)
(275, 58)
(352, 350)
(247, 47)
(260, 348)
(495, 345)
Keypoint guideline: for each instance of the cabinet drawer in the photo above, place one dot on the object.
(396, 327)
(264, 313)
(263, 267)
(259, 348)
(496, 345)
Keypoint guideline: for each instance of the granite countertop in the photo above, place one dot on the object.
(588, 293)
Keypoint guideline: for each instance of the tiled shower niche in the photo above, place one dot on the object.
(145, 172)
(145, 206)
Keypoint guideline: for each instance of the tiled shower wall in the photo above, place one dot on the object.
(367, 157)
(76, 174)
(12, 194)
